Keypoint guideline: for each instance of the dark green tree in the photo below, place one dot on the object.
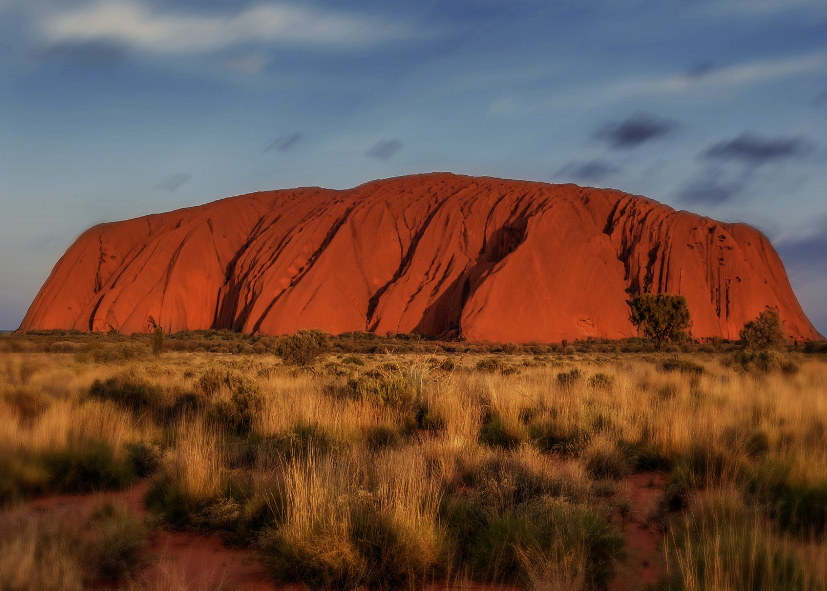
(661, 316)
(764, 332)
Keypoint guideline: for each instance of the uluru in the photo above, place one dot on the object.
(435, 254)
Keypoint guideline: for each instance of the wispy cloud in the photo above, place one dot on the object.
(588, 170)
(723, 78)
(136, 23)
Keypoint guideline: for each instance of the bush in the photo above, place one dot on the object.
(764, 332)
(796, 505)
(602, 381)
(28, 403)
(569, 378)
(130, 391)
(499, 432)
(603, 459)
(302, 348)
(353, 360)
(685, 366)
(721, 545)
(144, 457)
(237, 413)
(552, 436)
(393, 391)
(113, 549)
(87, 466)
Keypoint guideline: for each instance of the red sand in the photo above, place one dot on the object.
(437, 254)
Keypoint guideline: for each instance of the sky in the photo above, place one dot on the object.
(111, 109)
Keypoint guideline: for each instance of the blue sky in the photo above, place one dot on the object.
(111, 109)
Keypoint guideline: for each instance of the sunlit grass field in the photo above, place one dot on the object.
(386, 470)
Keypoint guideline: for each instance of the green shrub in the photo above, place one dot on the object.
(602, 381)
(238, 413)
(551, 436)
(381, 436)
(87, 466)
(685, 366)
(602, 458)
(28, 403)
(353, 360)
(499, 432)
(764, 332)
(796, 505)
(393, 391)
(569, 378)
(21, 476)
(721, 545)
(144, 457)
(302, 348)
(129, 390)
(113, 550)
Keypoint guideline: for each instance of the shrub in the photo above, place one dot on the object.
(302, 348)
(113, 549)
(87, 466)
(157, 341)
(685, 366)
(144, 457)
(721, 545)
(569, 378)
(603, 459)
(129, 390)
(20, 476)
(237, 413)
(28, 403)
(353, 360)
(499, 432)
(553, 436)
(602, 381)
(796, 505)
(764, 332)
(394, 391)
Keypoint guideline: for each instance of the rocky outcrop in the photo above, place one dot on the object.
(436, 254)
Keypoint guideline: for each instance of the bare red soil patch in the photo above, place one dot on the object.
(645, 562)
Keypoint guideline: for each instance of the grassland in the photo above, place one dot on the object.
(401, 463)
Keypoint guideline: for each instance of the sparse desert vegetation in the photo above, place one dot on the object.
(384, 463)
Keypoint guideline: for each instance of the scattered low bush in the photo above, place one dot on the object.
(87, 465)
(569, 378)
(302, 348)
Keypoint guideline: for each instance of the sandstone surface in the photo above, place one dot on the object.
(437, 254)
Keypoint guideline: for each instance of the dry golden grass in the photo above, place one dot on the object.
(321, 474)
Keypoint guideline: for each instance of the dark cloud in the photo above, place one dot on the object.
(634, 131)
(284, 144)
(384, 149)
(755, 151)
(93, 54)
(821, 99)
(174, 181)
(713, 186)
(588, 170)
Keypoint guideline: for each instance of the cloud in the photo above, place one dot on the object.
(756, 151)
(635, 131)
(135, 23)
(766, 8)
(712, 186)
(174, 181)
(738, 75)
(699, 70)
(384, 149)
(820, 99)
(247, 64)
(93, 53)
(588, 170)
(284, 144)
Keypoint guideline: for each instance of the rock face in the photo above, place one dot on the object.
(436, 254)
